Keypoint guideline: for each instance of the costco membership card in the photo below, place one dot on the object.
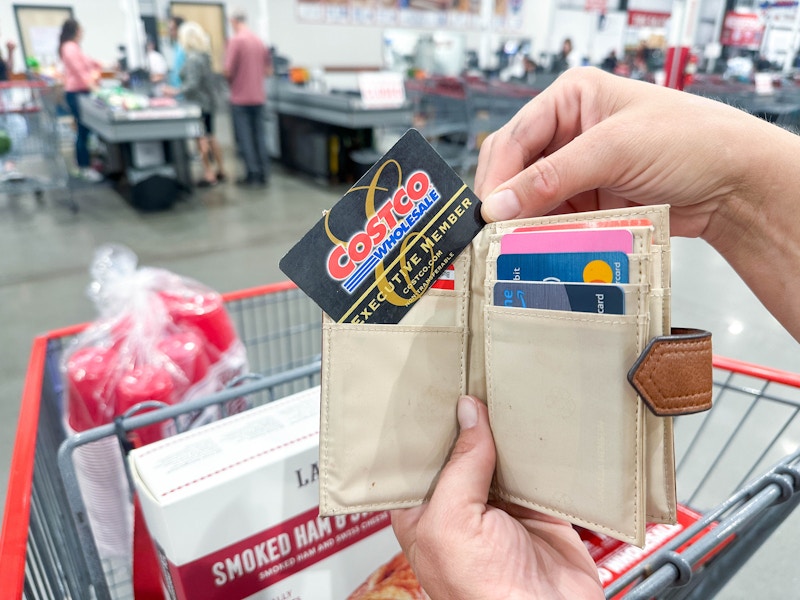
(388, 238)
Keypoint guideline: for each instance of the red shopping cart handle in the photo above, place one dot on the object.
(753, 370)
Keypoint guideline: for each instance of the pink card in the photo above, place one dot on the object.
(582, 240)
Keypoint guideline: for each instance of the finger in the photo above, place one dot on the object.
(513, 147)
(404, 524)
(549, 120)
(565, 173)
(465, 480)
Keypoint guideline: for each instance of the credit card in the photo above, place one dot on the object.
(587, 225)
(581, 240)
(383, 244)
(573, 297)
(586, 267)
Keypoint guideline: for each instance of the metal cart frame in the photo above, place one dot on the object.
(280, 327)
(35, 164)
(46, 545)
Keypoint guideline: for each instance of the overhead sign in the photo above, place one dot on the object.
(383, 89)
(596, 6)
(742, 30)
(647, 18)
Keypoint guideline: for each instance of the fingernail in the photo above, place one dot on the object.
(467, 412)
(501, 206)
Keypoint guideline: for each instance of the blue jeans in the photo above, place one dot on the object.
(82, 139)
(251, 138)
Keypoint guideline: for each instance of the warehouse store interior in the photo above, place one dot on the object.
(345, 81)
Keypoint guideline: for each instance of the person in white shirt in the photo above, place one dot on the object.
(156, 63)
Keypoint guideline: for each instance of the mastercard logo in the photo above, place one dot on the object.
(598, 271)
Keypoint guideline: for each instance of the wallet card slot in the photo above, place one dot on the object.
(634, 297)
(437, 308)
(568, 427)
(388, 419)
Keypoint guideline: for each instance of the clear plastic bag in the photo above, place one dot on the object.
(159, 337)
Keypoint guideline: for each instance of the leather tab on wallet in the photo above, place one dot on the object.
(673, 375)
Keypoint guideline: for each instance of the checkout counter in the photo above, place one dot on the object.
(319, 133)
(146, 147)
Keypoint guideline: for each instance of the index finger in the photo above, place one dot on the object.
(547, 122)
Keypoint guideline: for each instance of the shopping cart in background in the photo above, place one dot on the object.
(46, 546)
(31, 157)
(739, 466)
(724, 459)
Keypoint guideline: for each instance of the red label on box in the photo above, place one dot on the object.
(614, 558)
(264, 559)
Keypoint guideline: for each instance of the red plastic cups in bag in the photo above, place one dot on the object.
(159, 338)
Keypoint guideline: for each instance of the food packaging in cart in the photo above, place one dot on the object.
(159, 339)
(615, 559)
(233, 510)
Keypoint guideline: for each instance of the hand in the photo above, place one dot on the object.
(462, 547)
(593, 140)
(168, 90)
(10, 46)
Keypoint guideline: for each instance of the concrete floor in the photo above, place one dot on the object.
(229, 238)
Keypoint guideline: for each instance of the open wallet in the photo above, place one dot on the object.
(580, 404)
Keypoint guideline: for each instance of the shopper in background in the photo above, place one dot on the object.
(731, 179)
(247, 63)
(610, 61)
(157, 66)
(7, 64)
(81, 75)
(197, 86)
(566, 59)
(178, 54)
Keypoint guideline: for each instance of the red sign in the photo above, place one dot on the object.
(262, 560)
(743, 30)
(596, 6)
(646, 18)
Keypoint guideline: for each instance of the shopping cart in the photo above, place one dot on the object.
(34, 163)
(723, 463)
(739, 466)
(46, 545)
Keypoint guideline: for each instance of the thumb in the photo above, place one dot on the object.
(557, 177)
(466, 478)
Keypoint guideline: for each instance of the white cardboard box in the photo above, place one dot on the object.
(233, 510)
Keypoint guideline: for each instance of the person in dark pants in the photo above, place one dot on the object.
(247, 62)
(81, 75)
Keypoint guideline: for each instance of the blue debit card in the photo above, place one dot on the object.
(587, 267)
(574, 297)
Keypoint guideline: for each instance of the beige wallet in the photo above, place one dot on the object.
(580, 403)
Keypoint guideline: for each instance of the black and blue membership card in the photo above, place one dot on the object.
(389, 238)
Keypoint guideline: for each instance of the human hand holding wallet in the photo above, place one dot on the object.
(551, 359)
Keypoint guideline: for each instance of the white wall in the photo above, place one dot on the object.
(103, 29)
(305, 44)
(317, 45)
(313, 45)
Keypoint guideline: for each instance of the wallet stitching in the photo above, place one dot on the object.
(674, 349)
(543, 315)
(332, 328)
(490, 382)
(531, 503)
(383, 329)
(579, 217)
(325, 439)
(378, 506)
(662, 294)
(669, 476)
(639, 418)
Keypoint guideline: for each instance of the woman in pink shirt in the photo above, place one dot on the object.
(81, 74)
